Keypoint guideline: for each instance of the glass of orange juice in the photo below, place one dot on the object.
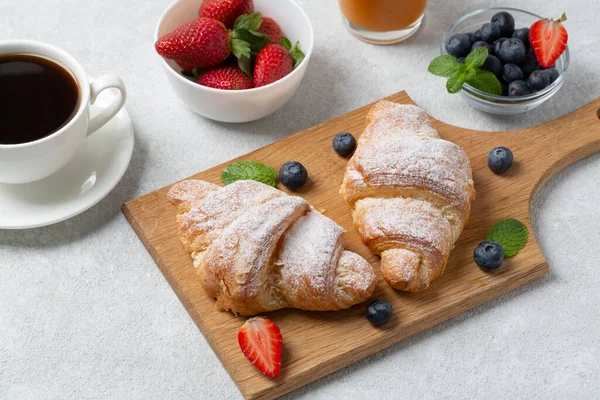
(383, 21)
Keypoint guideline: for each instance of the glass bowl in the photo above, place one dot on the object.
(504, 105)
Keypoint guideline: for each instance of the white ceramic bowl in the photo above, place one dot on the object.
(239, 105)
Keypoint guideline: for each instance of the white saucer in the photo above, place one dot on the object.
(92, 173)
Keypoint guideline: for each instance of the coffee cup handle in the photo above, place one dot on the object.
(116, 103)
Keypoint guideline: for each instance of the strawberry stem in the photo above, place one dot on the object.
(562, 18)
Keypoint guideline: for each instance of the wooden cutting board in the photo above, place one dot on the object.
(319, 343)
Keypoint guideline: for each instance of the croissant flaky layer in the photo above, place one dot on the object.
(257, 249)
(411, 194)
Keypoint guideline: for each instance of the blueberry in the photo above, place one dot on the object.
(552, 73)
(461, 60)
(512, 51)
(489, 255)
(344, 144)
(476, 36)
(538, 80)
(490, 32)
(459, 45)
(518, 88)
(481, 43)
(530, 63)
(494, 65)
(379, 312)
(500, 159)
(505, 22)
(472, 36)
(504, 88)
(497, 44)
(512, 73)
(522, 34)
(293, 174)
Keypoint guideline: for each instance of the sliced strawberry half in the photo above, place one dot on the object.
(548, 39)
(260, 341)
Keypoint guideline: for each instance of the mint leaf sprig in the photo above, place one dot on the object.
(470, 72)
(249, 170)
(511, 233)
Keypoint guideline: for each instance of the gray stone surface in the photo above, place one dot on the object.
(85, 313)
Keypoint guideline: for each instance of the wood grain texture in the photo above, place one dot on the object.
(319, 343)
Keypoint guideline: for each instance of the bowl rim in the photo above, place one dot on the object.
(485, 96)
(289, 76)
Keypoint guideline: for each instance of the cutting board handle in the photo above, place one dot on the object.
(565, 140)
(540, 151)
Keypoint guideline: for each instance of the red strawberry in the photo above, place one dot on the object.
(260, 341)
(202, 42)
(226, 11)
(548, 39)
(270, 28)
(227, 77)
(272, 63)
(185, 67)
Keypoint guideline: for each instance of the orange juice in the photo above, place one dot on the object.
(383, 15)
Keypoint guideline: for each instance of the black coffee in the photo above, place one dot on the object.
(37, 98)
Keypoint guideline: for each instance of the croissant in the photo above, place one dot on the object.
(257, 249)
(410, 194)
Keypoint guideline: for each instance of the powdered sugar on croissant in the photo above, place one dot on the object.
(257, 249)
(411, 194)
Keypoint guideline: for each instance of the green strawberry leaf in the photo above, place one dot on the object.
(251, 22)
(257, 41)
(297, 54)
(512, 234)
(245, 64)
(485, 81)
(445, 66)
(285, 42)
(240, 48)
(476, 58)
(249, 170)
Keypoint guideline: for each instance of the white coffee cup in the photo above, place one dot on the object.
(32, 161)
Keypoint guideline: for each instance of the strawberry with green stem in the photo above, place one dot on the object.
(275, 61)
(201, 42)
(246, 29)
(205, 43)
